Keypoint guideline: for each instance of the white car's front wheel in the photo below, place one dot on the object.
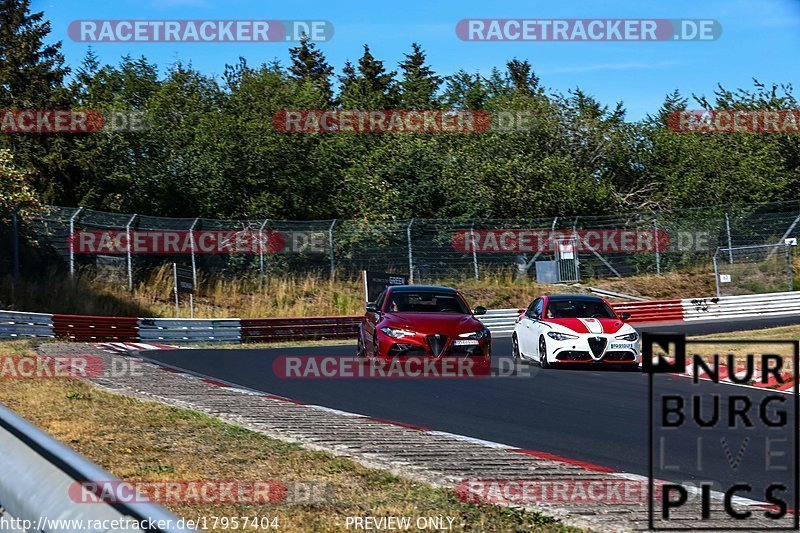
(543, 353)
(515, 348)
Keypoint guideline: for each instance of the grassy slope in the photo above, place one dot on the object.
(298, 296)
(160, 443)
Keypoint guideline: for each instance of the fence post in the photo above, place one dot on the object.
(474, 252)
(789, 265)
(175, 288)
(130, 263)
(410, 254)
(72, 241)
(730, 245)
(330, 242)
(15, 243)
(194, 264)
(261, 251)
(716, 273)
(658, 251)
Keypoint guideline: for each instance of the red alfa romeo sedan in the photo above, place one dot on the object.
(419, 321)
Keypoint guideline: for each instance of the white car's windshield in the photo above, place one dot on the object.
(579, 309)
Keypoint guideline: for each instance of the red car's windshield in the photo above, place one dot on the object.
(579, 309)
(426, 302)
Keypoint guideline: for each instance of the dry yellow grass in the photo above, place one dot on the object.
(301, 295)
(740, 350)
(143, 441)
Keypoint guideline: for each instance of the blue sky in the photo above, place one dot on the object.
(760, 39)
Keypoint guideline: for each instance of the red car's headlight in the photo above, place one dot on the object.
(476, 335)
(397, 333)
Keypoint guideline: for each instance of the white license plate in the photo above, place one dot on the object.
(465, 342)
(621, 346)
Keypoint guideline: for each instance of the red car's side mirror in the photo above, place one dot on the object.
(624, 316)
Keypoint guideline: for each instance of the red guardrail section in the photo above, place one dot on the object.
(652, 310)
(278, 329)
(96, 328)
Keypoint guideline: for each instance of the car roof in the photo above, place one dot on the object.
(414, 288)
(577, 297)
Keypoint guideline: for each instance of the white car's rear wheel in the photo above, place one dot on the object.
(543, 353)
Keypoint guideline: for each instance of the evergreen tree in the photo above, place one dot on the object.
(465, 91)
(310, 66)
(419, 84)
(369, 86)
(31, 72)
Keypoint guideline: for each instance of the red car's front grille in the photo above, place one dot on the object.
(437, 344)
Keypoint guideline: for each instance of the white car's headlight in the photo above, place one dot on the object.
(630, 337)
(561, 336)
(396, 333)
(481, 333)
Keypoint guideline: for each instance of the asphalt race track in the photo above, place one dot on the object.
(594, 415)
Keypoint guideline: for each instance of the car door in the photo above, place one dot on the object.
(371, 319)
(529, 330)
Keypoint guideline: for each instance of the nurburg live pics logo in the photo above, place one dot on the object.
(734, 446)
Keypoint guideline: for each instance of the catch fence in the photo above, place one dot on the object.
(428, 249)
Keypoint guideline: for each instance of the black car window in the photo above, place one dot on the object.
(579, 309)
(537, 311)
(426, 302)
(379, 300)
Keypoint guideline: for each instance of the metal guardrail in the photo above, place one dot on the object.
(289, 329)
(499, 321)
(755, 305)
(15, 324)
(36, 475)
(179, 330)
(96, 328)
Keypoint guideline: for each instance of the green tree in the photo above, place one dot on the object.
(31, 77)
(368, 86)
(419, 85)
(309, 66)
(16, 190)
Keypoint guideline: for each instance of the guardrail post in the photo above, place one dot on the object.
(410, 254)
(330, 242)
(72, 241)
(130, 263)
